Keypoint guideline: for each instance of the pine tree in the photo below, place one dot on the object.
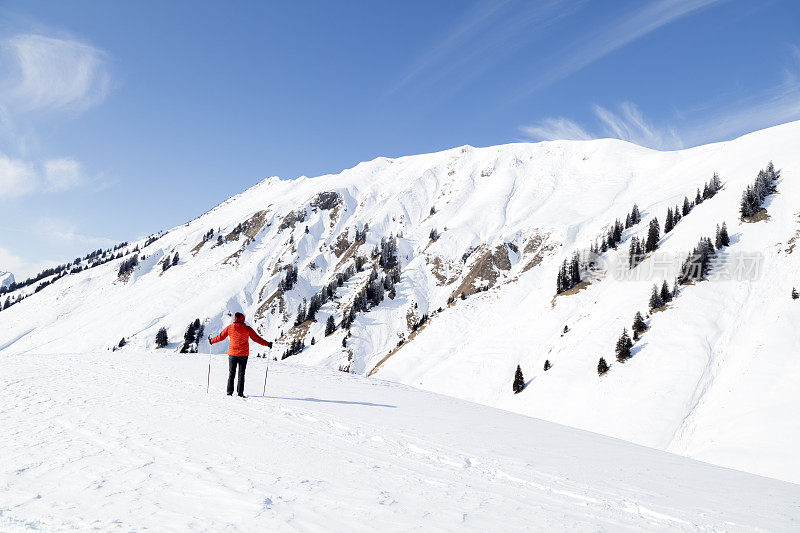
(519, 381)
(794, 294)
(161, 338)
(636, 252)
(687, 206)
(192, 337)
(547, 365)
(575, 269)
(698, 263)
(330, 326)
(636, 217)
(602, 367)
(771, 171)
(715, 185)
(722, 239)
(747, 206)
(665, 294)
(562, 281)
(653, 236)
(616, 233)
(122, 342)
(639, 325)
(753, 196)
(301, 313)
(175, 259)
(698, 199)
(623, 348)
(655, 299)
(668, 222)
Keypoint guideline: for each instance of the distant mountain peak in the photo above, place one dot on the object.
(6, 279)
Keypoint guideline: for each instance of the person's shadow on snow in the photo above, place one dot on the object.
(343, 402)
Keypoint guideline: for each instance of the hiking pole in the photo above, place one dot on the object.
(208, 381)
(265, 376)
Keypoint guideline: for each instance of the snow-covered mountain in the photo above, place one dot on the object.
(481, 234)
(6, 279)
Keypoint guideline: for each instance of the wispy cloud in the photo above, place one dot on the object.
(10, 262)
(48, 73)
(42, 77)
(777, 104)
(64, 232)
(627, 123)
(19, 177)
(627, 29)
(720, 120)
(19, 266)
(630, 125)
(63, 174)
(550, 129)
(485, 35)
(471, 24)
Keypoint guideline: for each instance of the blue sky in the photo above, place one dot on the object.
(120, 119)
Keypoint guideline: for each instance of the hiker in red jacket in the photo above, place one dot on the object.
(238, 349)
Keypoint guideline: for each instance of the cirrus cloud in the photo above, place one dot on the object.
(626, 123)
(776, 104)
(553, 128)
(48, 73)
(43, 76)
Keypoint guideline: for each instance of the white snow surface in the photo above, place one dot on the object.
(714, 378)
(131, 441)
(6, 279)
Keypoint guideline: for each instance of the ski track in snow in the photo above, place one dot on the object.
(131, 442)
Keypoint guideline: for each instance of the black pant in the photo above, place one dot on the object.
(233, 362)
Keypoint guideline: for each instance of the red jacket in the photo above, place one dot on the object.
(240, 334)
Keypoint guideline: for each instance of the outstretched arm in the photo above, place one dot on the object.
(255, 338)
(221, 337)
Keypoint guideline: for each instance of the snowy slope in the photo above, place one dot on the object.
(714, 377)
(131, 441)
(6, 279)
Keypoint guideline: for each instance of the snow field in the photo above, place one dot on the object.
(132, 441)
